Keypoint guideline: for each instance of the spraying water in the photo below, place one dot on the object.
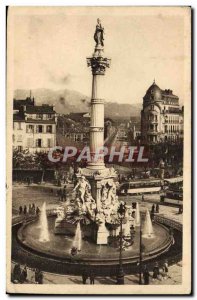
(44, 231)
(148, 227)
(137, 215)
(78, 237)
(126, 229)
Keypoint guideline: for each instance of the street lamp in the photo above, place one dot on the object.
(141, 248)
(140, 262)
(121, 212)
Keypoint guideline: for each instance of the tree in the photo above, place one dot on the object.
(42, 162)
(22, 159)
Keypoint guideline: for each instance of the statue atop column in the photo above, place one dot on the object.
(99, 34)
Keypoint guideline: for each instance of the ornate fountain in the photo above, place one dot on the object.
(94, 200)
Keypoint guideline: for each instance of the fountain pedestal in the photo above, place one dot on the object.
(102, 235)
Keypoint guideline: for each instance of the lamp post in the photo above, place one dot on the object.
(120, 276)
(141, 250)
(140, 261)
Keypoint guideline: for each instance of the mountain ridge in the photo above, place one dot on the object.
(67, 101)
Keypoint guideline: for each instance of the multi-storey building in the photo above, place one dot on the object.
(34, 127)
(161, 116)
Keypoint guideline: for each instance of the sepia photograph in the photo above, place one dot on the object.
(99, 150)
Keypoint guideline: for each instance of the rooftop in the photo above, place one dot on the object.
(23, 102)
(42, 109)
(154, 92)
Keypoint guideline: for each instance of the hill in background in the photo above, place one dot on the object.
(67, 101)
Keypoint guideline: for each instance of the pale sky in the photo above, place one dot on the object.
(50, 51)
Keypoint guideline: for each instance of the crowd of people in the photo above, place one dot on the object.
(62, 194)
(20, 274)
(158, 273)
(86, 276)
(30, 210)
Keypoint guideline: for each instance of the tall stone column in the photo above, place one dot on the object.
(98, 64)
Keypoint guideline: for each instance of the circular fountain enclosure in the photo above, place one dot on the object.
(59, 246)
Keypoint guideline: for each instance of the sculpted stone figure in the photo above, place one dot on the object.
(104, 194)
(112, 192)
(98, 35)
(81, 188)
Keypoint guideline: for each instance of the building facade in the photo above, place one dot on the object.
(161, 116)
(34, 127)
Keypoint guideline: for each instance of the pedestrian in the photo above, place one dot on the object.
(24, 274)
(64, 193)
(40, 277)
(28, 181)
(37, 210)
(25, 210)
(146, 275)
(165, 269)
(17, 273)
(84, 277)
(20, 210)
(157, 208)
(33, 209)
(30, 209)
(92, 277)
(36, 275)
(60, 194)
(153, 208)
(162, 198)
(156, 271)
(142, 197)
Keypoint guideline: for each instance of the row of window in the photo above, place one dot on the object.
(40, 116)
(152, 127)
(39, 143)
(39, 128)
(172, 119)
(171, 138)
(76, 137)
(31, 143)
(171, 128)
(170, 101)
(154, 138)
(35, 128)
(152, 118)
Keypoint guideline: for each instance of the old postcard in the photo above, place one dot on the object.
(98, 150)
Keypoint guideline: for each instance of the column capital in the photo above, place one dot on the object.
(98, 64)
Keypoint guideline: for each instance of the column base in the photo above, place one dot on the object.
(120, 277)
(95, 167)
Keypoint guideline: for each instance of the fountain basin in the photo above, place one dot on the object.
(59, 246)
